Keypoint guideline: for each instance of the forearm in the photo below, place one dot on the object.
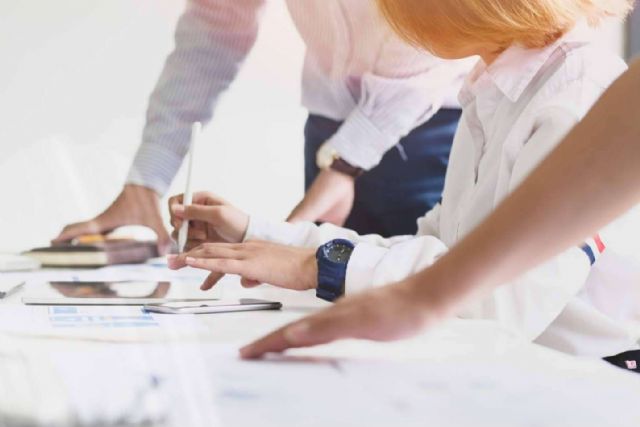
(588, 180)
(212, 39)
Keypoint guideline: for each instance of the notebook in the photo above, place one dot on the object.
(95, 254)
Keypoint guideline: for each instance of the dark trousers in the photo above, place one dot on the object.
(405, 185)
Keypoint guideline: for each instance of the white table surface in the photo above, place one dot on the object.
(463, 343)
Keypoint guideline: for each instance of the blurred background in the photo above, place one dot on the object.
(74, 83)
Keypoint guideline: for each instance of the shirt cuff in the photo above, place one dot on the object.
(361, 267)
(272, 231)
(359, 142)
(154, 167)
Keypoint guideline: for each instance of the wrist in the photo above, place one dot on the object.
(439, 289)
(338, 175)
(140, 190)
(328, 159)
(310, 267)
(332, 259)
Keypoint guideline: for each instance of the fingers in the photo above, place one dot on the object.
(175, 262)
(210, 214)
(275, 342)
(207, 250)
(211, 281)
(207, 198)
(219, 265)
(78, 229)
(249, 283)
(328, 325)
(194, 233)
(174, 200)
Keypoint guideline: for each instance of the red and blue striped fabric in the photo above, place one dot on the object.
(593, 248)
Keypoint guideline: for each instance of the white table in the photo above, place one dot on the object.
(463, 373)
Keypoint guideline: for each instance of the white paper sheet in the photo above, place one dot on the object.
(208, 384)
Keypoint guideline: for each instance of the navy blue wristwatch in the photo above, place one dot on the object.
(332, 260)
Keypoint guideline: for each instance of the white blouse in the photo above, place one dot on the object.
(515, 111)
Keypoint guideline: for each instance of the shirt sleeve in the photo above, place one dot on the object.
(405, 89)
(212, 39)
(532, 302)
(375, 260)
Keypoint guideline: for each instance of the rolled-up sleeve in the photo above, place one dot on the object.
(212, 39)
(375, 260)
(405, 89)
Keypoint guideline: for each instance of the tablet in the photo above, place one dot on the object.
(115, 293)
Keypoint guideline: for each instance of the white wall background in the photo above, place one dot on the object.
(74, 81)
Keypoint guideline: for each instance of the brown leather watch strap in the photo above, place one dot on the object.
(342, 166)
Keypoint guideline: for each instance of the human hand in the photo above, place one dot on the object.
(212, 219)
(135, 205)
(329, 199)
(256, 262)
(383, 314)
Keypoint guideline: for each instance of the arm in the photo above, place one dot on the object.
(501, 249)
(212, 39)
(579, 203)
(405, 88)
(290, 263)
(529, 303)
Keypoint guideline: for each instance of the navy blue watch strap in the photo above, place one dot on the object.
(332, 258)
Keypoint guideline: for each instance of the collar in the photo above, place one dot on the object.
(516, 67)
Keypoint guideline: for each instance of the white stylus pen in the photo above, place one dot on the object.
(188, 194)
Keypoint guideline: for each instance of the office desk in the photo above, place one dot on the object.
(464, 373)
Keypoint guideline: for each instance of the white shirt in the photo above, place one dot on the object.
(508, 126)
(356, 70)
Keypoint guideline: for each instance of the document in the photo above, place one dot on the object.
(98, 323)
(206, 384)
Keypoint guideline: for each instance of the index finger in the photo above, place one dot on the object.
(317, 329)
(173, 201)
(177, 199)
(275, 342)
(207, 198)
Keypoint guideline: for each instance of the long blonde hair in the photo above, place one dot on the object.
(531, 23)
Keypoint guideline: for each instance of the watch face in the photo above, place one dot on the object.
(339, 253)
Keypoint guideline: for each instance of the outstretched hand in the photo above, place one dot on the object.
(135, 205)
(383, 314)
(255, 262)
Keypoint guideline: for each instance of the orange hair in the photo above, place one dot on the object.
(531, 23)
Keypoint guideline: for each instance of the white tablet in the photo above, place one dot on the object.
(115, 293)
(204, 307)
